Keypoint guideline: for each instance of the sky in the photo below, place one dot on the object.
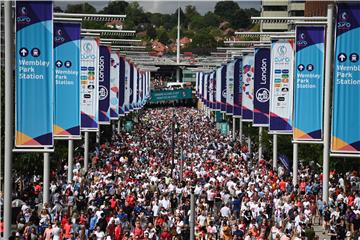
(202, 6)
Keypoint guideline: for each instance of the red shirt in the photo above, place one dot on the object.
(165, 235)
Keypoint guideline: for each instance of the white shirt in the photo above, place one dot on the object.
(225, 211)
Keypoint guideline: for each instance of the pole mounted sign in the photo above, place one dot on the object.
(281, 101)
(308, 85)
(261, 87)
(89, 79)
(67, 80)
(34, 74)
(345, 134)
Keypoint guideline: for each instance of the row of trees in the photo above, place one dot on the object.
(202, 29)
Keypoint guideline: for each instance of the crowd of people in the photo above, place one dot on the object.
(140, 185)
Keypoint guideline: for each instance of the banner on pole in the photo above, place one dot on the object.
(308, 87)
(237, 88)
(131, 89)
(67, 80)
(281, 86)
(104, 85)
(218, 89)
(212, 90)
(121, 87)
(114, 85)
(223, 89)
(127, 87)
(89, 80)
(135, 88)
(230, 88)
(261, 87)
(345, 133)
(247, 87)
(34, 74)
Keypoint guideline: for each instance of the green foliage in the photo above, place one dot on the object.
(80, 8)
(115, 7)
(204, 30)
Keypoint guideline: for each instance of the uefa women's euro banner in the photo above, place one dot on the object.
(114, 85)
(212, 90)
(67, 80)
(223, 89)
(308, 83)
(237, 88)
(261, 87)
(247, 88)
(127, 87)
(345, 133)
(230, 88)
(34, 74)
(131, 89)
(104, 85)
(121, 86)
(218, 89)
(89, 79)
(281, 101)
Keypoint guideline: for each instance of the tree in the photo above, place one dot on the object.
(58, 9)
(135, 15)
(80, 8)
(162, 35)
(226, 9)
(115, 7)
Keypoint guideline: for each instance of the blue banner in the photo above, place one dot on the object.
(345, 134)
(223, 89)
(114, 85)
(122, 87)
(34, 74)
(261, 87)
(237, 88)
(104, 85)
(308, 87)
(67, 79)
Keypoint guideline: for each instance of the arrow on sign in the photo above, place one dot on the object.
(342, 57)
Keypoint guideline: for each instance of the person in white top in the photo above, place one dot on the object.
(225, 211)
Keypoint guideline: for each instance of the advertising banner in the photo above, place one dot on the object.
(247, 87)
(121, 86)
(223, 89)
(67, 80)
(34, 74)
(170, 95)
(345, 133)
(308, 87)
(281, 86)
(230, 88)
(212, 90)
(237, 87)
(127, 86)
(218, 89)
(89, 80)
(131, 89)
(104, 85)
(114, 85)
(135, 88)
(261, 87)
(206, 90)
